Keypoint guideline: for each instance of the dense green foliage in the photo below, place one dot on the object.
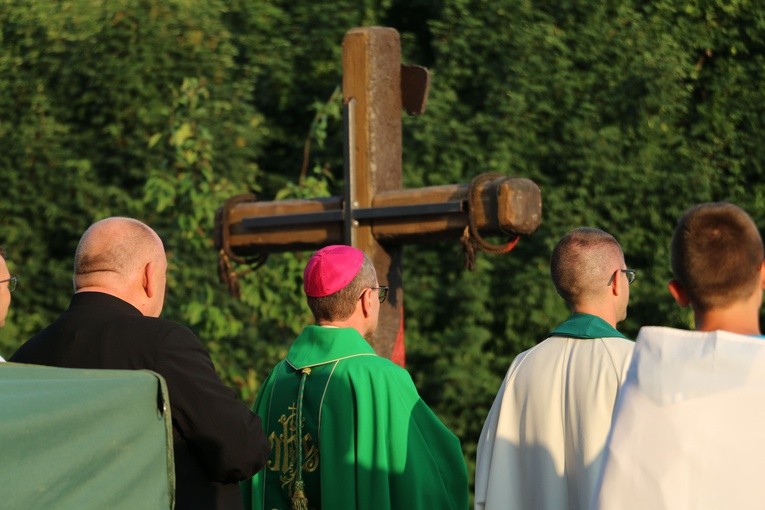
(624, 112)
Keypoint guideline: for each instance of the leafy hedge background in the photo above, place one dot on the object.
(624, 112)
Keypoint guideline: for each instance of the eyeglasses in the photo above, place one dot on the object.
(631, 273)
(383, 292)
(13, 280)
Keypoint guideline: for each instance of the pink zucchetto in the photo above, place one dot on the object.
(331, 269)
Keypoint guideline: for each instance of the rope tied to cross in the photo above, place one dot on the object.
(471, 238)
(227, 274)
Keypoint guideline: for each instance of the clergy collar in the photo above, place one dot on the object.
(586, 326)
(318, 345)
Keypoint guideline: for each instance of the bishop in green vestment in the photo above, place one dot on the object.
(348, 429)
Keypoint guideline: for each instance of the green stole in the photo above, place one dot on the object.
(303, 378)
(586, 326)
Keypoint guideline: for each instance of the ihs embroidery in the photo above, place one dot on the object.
(284, 448)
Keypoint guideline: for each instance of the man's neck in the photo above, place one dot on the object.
(735, 319)
(605, 314)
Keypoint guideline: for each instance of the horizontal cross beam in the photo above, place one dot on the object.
(510, 206)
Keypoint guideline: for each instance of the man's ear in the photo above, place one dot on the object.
(366, 302)
(678, 292)
(148, 280)
(762, 274)
(617, 285)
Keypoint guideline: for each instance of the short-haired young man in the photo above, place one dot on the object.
(542, 442)
(688, 427)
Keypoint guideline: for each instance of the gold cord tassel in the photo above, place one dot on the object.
(299, 501)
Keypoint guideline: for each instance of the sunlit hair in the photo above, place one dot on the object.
(115, 245)
(341, 304)
(716, 255)
(582, 263)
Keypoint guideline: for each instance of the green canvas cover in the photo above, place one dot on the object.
(84, 439)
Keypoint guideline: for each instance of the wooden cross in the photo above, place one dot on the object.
(375, 214)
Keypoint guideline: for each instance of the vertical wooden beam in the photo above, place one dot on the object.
(372, 91)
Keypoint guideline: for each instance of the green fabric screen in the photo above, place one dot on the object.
(84, 439)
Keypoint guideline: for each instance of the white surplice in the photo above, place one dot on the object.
(541, 445)
(689, 425)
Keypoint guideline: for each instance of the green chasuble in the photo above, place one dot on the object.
(368, 439)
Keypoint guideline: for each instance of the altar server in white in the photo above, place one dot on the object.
(541, 445)
(689, 425)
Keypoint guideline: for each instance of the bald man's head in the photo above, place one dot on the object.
(113, 255)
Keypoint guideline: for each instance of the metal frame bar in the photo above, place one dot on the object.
(349, 171)
(370, 213)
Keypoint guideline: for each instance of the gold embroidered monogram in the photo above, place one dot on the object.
(284, 449)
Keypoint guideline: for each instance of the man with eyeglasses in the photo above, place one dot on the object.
(542, 442)
(7, 285)
(689, 425)
(348, 429)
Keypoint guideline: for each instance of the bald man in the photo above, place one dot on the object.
(542, 443)
(113, 323)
